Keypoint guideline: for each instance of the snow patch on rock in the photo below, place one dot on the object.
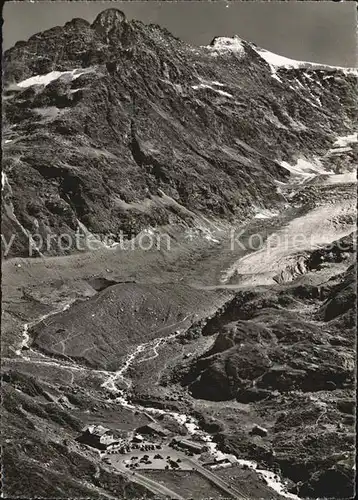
(345, 140)
(274, 75)
(211, 82)
(3, 180)
(265, 214)
(304, 168)
(346, 178)
(206, 86)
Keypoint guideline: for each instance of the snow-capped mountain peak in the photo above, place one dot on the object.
(237, 45)
(223, 44)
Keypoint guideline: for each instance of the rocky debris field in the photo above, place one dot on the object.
(87, 332)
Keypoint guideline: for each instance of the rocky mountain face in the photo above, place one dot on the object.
(119, 126)
(51, 464)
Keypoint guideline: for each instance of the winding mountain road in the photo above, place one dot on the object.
(218, 482)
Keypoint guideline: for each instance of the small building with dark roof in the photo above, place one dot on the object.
(153, 429)
(189, 445)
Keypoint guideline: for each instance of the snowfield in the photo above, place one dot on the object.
(281, 61)
(277, 60)
(52, 76)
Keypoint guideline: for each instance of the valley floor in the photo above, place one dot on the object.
(212, 340)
